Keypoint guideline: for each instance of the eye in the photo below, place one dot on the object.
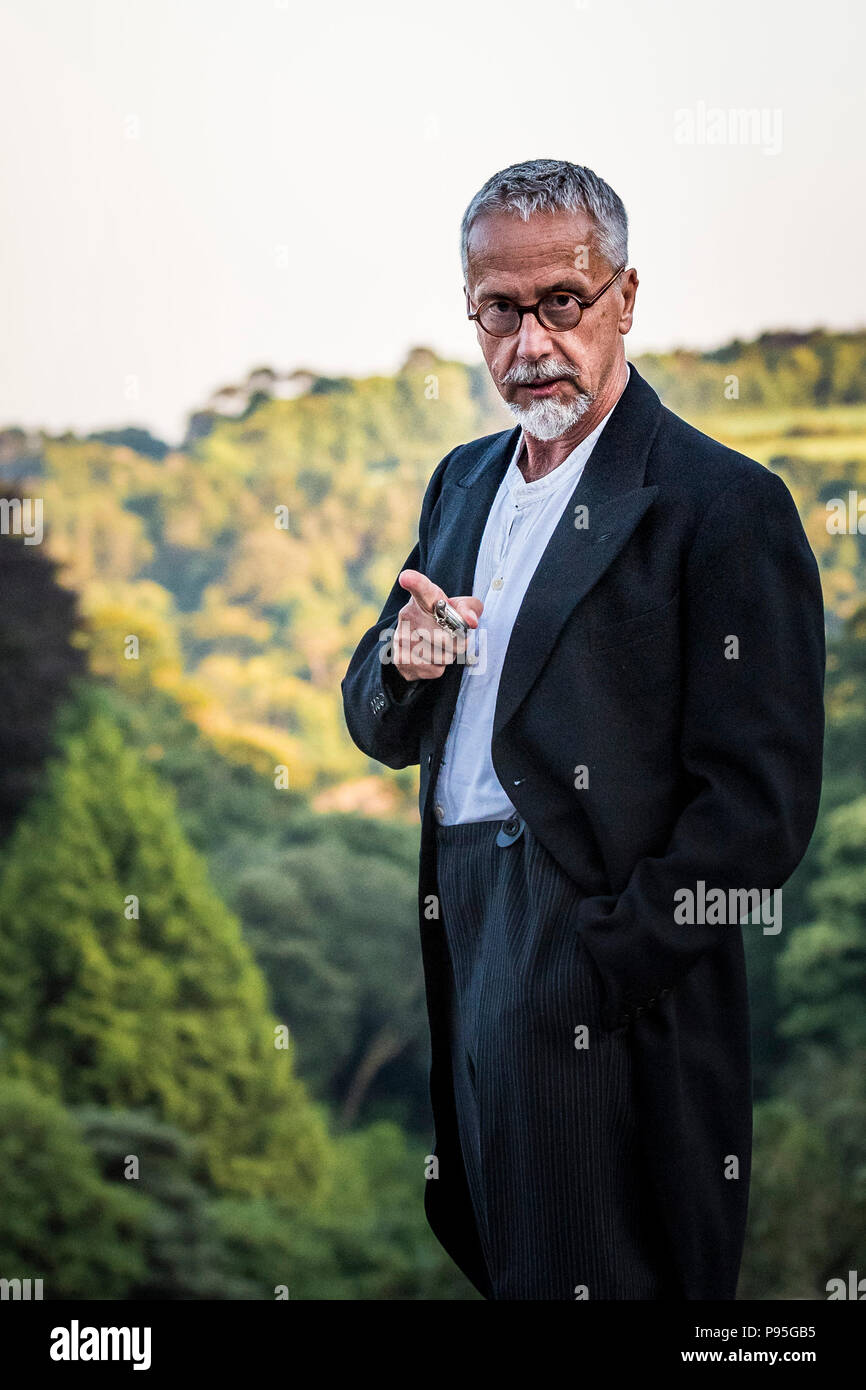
(560, 300)
(499, 316)
(560, 310)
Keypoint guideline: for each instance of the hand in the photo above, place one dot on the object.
(421, 649)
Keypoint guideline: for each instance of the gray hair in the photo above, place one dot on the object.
(552, 185)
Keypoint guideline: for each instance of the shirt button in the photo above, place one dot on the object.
(497, 584)
(439, 810)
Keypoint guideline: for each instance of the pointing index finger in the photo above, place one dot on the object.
(422, 589)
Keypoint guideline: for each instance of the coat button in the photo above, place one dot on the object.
(509, 831)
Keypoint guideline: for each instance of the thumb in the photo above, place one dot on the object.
(423, 590)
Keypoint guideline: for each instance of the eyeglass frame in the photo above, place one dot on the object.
(533, 308)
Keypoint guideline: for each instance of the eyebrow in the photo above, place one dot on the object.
(568, 283)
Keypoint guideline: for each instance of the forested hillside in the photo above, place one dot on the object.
(248, 562)
(208, 939)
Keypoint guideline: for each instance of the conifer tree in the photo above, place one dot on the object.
(125, 982)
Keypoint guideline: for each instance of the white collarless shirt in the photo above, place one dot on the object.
(519, 525)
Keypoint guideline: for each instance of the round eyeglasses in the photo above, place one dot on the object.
(558, 310)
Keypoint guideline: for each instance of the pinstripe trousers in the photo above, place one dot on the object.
(545, 1110)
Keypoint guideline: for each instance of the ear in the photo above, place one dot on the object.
(629, 291)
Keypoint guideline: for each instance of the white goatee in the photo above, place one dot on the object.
(549, 418)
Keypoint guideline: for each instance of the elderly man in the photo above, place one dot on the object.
(620, 756)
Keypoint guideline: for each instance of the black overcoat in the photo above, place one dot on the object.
(670, 643)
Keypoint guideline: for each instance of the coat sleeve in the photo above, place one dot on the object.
(384, 713)
(751, 743)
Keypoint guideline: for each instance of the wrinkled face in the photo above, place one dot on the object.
(548, 379)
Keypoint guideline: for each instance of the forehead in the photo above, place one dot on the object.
(507, 254)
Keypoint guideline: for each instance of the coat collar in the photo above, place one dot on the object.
(612, 492)
(612, 468)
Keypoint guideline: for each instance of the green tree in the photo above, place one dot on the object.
(807, 1210)
(125, 982)
(38, 660)
(59, 1220)
(371, 1242)
(184, 1255)
(333, 921)
(328, 904)
(822, 971)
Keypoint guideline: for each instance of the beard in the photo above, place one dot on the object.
(547, 418)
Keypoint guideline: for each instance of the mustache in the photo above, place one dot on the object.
(529, 373)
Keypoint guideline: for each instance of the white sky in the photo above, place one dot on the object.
(189, 187)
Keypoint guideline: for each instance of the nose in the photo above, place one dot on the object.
(532, 340)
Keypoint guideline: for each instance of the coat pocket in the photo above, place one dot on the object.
(613, 636)
(589, 983)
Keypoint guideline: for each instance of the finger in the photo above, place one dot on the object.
(423, 590)
(469, 608)
(421, 644)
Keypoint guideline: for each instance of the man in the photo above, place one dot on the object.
(619, 759)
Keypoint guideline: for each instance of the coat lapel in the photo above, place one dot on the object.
(611, 500)
(612, 492)
(466, 502)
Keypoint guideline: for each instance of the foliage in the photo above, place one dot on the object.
(246, 564)
(159, 1005)
(38, 660)
(249, 561)
(60, 1221)
(372, 1241)
(807, 1213)
(184, 1256)
(822, 971)
(327, 903)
